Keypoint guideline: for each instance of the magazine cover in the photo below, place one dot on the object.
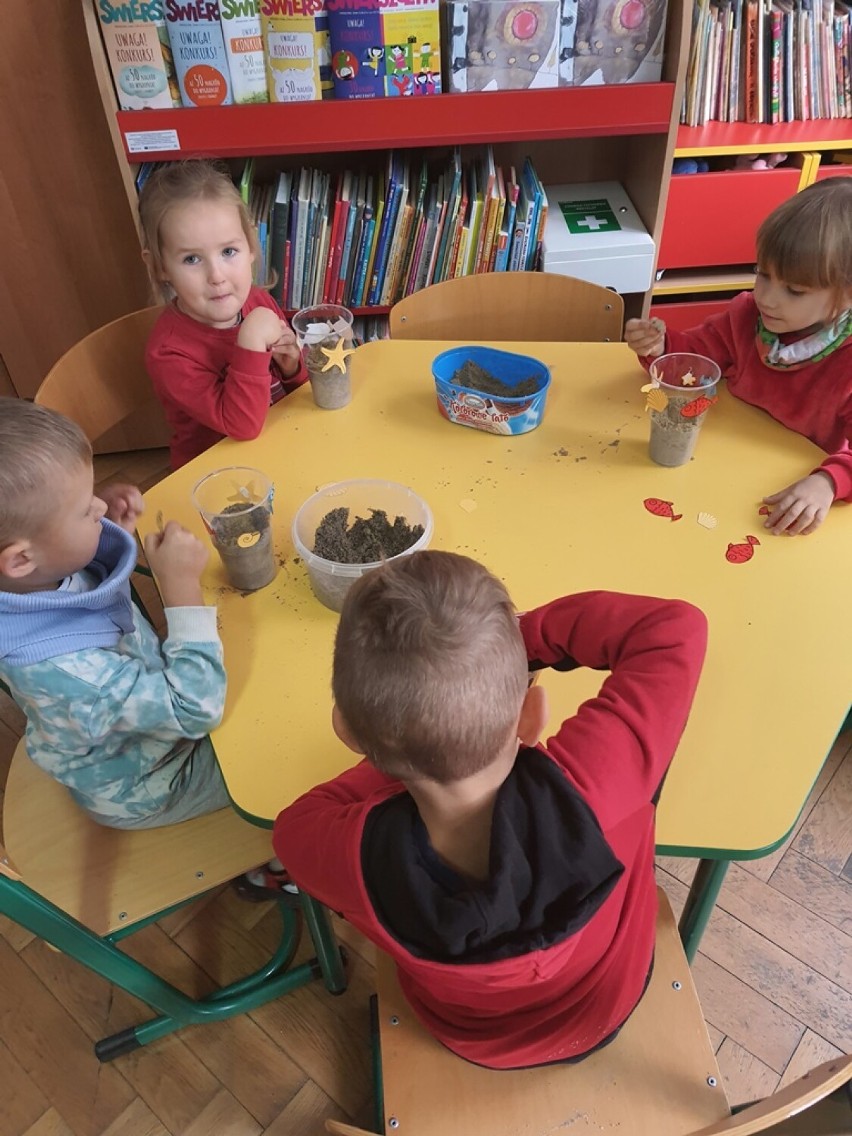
(611, 41)
(140, 56)
(244, 45)
(384, 48)
(295, 42)
(503, 45)
(198, 47)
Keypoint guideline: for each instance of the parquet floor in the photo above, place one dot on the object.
(774, 975)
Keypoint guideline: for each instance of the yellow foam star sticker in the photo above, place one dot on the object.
(337, 355)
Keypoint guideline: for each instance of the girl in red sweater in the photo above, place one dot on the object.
(222, 350)
(787, 347)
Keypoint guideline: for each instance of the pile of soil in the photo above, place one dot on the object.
(366, 540)
(471, 375)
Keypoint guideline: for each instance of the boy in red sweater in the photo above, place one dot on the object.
(222, 351)
(787, 347)
(511, 883)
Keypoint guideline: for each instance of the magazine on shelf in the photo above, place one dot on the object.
(244, 46)
(484, 39)
(198, 48)
(140, 55)
(295, 43)
(384, 48)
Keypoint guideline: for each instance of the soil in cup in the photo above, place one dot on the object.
(243, 539)
(471, 375)
(673, 437)
(331, 389)
(366, 540)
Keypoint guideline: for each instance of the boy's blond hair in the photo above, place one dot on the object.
(430, 668)
(807, 240)
(37, 446)
(176, 184)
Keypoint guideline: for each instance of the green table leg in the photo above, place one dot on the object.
(700, 903)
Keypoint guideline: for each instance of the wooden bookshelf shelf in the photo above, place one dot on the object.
(446, 120)
(690, 280)
(751, 138)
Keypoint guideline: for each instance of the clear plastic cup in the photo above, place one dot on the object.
(689, 384)
(320, 329)
(332, 579)
(235, 504)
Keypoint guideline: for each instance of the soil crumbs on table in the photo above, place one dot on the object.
(471, 375)
(366, 539)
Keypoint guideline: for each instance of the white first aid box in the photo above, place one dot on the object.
(594, 233)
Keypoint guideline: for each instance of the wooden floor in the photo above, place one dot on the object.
(774, 975)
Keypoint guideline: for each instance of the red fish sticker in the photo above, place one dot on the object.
(764, 511)
(697, 406)
(740, 553)
(661, 508)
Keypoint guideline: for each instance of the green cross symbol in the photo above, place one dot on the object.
(584, 217)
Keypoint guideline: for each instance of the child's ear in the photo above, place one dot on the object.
(16, 560)
(341, 728)
(534, 715)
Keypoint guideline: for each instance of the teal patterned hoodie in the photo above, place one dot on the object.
(111, 712)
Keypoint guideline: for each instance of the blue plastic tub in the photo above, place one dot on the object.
(496, 415)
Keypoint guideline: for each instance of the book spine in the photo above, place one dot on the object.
(346, 253)
(359, 292)
(201, 62)
(383, 247)
(359, 266)
(244, 48)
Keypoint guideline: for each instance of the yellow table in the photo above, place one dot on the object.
(555, 511)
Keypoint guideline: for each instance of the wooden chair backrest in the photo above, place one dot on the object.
(651, 1081)
(109, 878)
(522, 306)
(101, 381)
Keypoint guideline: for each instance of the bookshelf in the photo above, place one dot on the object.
(622, 132)
(686, 293)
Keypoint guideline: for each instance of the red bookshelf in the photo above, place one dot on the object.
(749, 137)
(445, 120)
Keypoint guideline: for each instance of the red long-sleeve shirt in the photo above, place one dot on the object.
(814, 400)
(210, 387)
(549, 955)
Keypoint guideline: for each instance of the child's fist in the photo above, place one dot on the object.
(645, 337)
(285, 350)
(124, 505)
(261, 330)
(177, 558)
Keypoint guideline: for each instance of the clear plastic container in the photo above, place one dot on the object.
(330, 579)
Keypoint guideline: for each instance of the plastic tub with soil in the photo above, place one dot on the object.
(499, 392)
(348, 528)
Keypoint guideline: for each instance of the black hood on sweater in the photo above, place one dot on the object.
(551, 870)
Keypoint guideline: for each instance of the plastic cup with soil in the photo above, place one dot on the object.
(318, 330)
(689, 384)
(236, 506)
(349, 527)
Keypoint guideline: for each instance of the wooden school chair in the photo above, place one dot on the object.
(101, 384)
(522, 306)
(658, 1078)
(83, 887)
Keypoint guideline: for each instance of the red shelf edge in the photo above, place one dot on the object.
(321, 127)
(837, 131)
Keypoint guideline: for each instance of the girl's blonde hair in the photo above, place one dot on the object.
(807, 240)
(176, 184)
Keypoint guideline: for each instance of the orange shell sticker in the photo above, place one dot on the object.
(656, 399)
(246, 540)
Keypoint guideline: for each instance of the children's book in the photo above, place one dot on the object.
(353, 238)
(384, 48)
(383, 189)
(244, 45)
(140, 55)
(198, 47)
(295, 43)
(356, 296)
(280, 229)
(500, 45)
(507, 231)
(601, 42)
(392, 194)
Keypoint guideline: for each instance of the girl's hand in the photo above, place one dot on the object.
(285, 351)
(124, 505)
(802, 507)
(177, 558)
(645, 337)
(261, 330)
